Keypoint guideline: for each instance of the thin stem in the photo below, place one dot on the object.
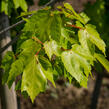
(37, 40)
(12, 26)
(39, 51)
(74, 26)
(16, 56)
(65, 49)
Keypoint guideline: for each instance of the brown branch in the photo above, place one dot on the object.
(12, 26)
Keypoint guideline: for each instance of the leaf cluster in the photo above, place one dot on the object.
(53, 44)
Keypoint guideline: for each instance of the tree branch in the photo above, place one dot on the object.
(10, 43)
(10, 27)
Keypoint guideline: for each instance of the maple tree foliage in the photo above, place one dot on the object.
(99, 17)
(54, 43)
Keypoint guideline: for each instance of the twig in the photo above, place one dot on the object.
(12, 26)
(74, 26)
(65, 49)
(39, 51)
(37, 40)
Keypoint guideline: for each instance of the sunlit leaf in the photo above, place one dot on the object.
(102, 60)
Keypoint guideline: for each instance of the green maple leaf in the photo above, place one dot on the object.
(47, 26)
(85, 42)
(90, 36)
(29, 48)
(48, 71)
(16, 69)
(102, 60)
(85, 17)
(51, 47)
(8, 5)
(83, 52)
(33, 79)
(70, 12)
(21, 3)
(65, 38)
(77, 65)
(94, 37)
